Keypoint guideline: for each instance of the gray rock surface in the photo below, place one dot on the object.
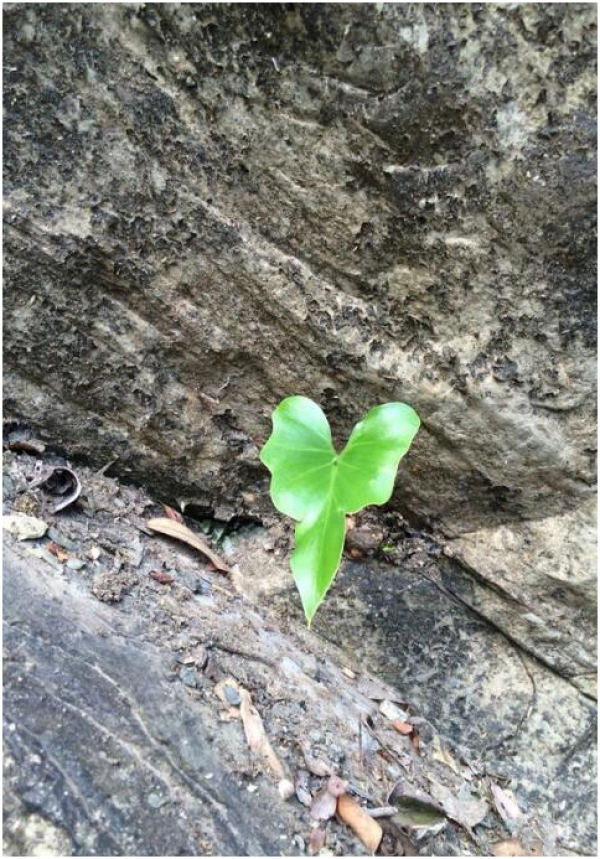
(211, 207)
(109, 751)
(505, 702)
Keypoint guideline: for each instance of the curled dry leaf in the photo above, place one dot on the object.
(170, 513)
(416, 810)
(59, 480)
(258, 742)
(364, 827)
(179, 531)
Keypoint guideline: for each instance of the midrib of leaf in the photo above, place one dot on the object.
(286, 448)
(324, 529)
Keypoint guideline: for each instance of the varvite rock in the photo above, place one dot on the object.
(210, 207)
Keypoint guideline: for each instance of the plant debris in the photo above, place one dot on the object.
(170, 513)
(179, 531)
(417, 810)
(506, 804)
(315, 765)
(58, 551)
(162, 577)
(364, 827)
(402, 727)
(258, 742)
(27, 445)
(466, 809)
(443, 756)
(323, 805)
(57, 480)
(382, 811)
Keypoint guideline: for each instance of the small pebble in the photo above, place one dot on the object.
(189, 677)
(155, 800)
(75, 564)
(391, 711)
(232, 695)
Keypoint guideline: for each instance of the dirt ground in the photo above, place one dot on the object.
(127, 657)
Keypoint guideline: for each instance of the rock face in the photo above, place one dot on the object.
(211, 207)
(120, 738)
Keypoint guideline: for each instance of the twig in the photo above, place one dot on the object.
(235, 652)
(352, 788)
(384, 745)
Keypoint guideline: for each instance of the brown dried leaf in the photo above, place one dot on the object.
(27, 445)
(58, 551)
(162, 577)
(170, 513)
(258, 742)
(402, 727)
(368, 830)
(179, 531)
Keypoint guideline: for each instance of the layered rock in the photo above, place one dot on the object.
(211, 207)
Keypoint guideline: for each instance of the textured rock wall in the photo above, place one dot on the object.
(211, 207)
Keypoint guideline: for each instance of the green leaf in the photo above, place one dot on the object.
(316, 486)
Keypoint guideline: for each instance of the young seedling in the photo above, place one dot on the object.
(317, 486)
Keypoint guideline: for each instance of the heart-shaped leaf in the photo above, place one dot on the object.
(317, 486)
